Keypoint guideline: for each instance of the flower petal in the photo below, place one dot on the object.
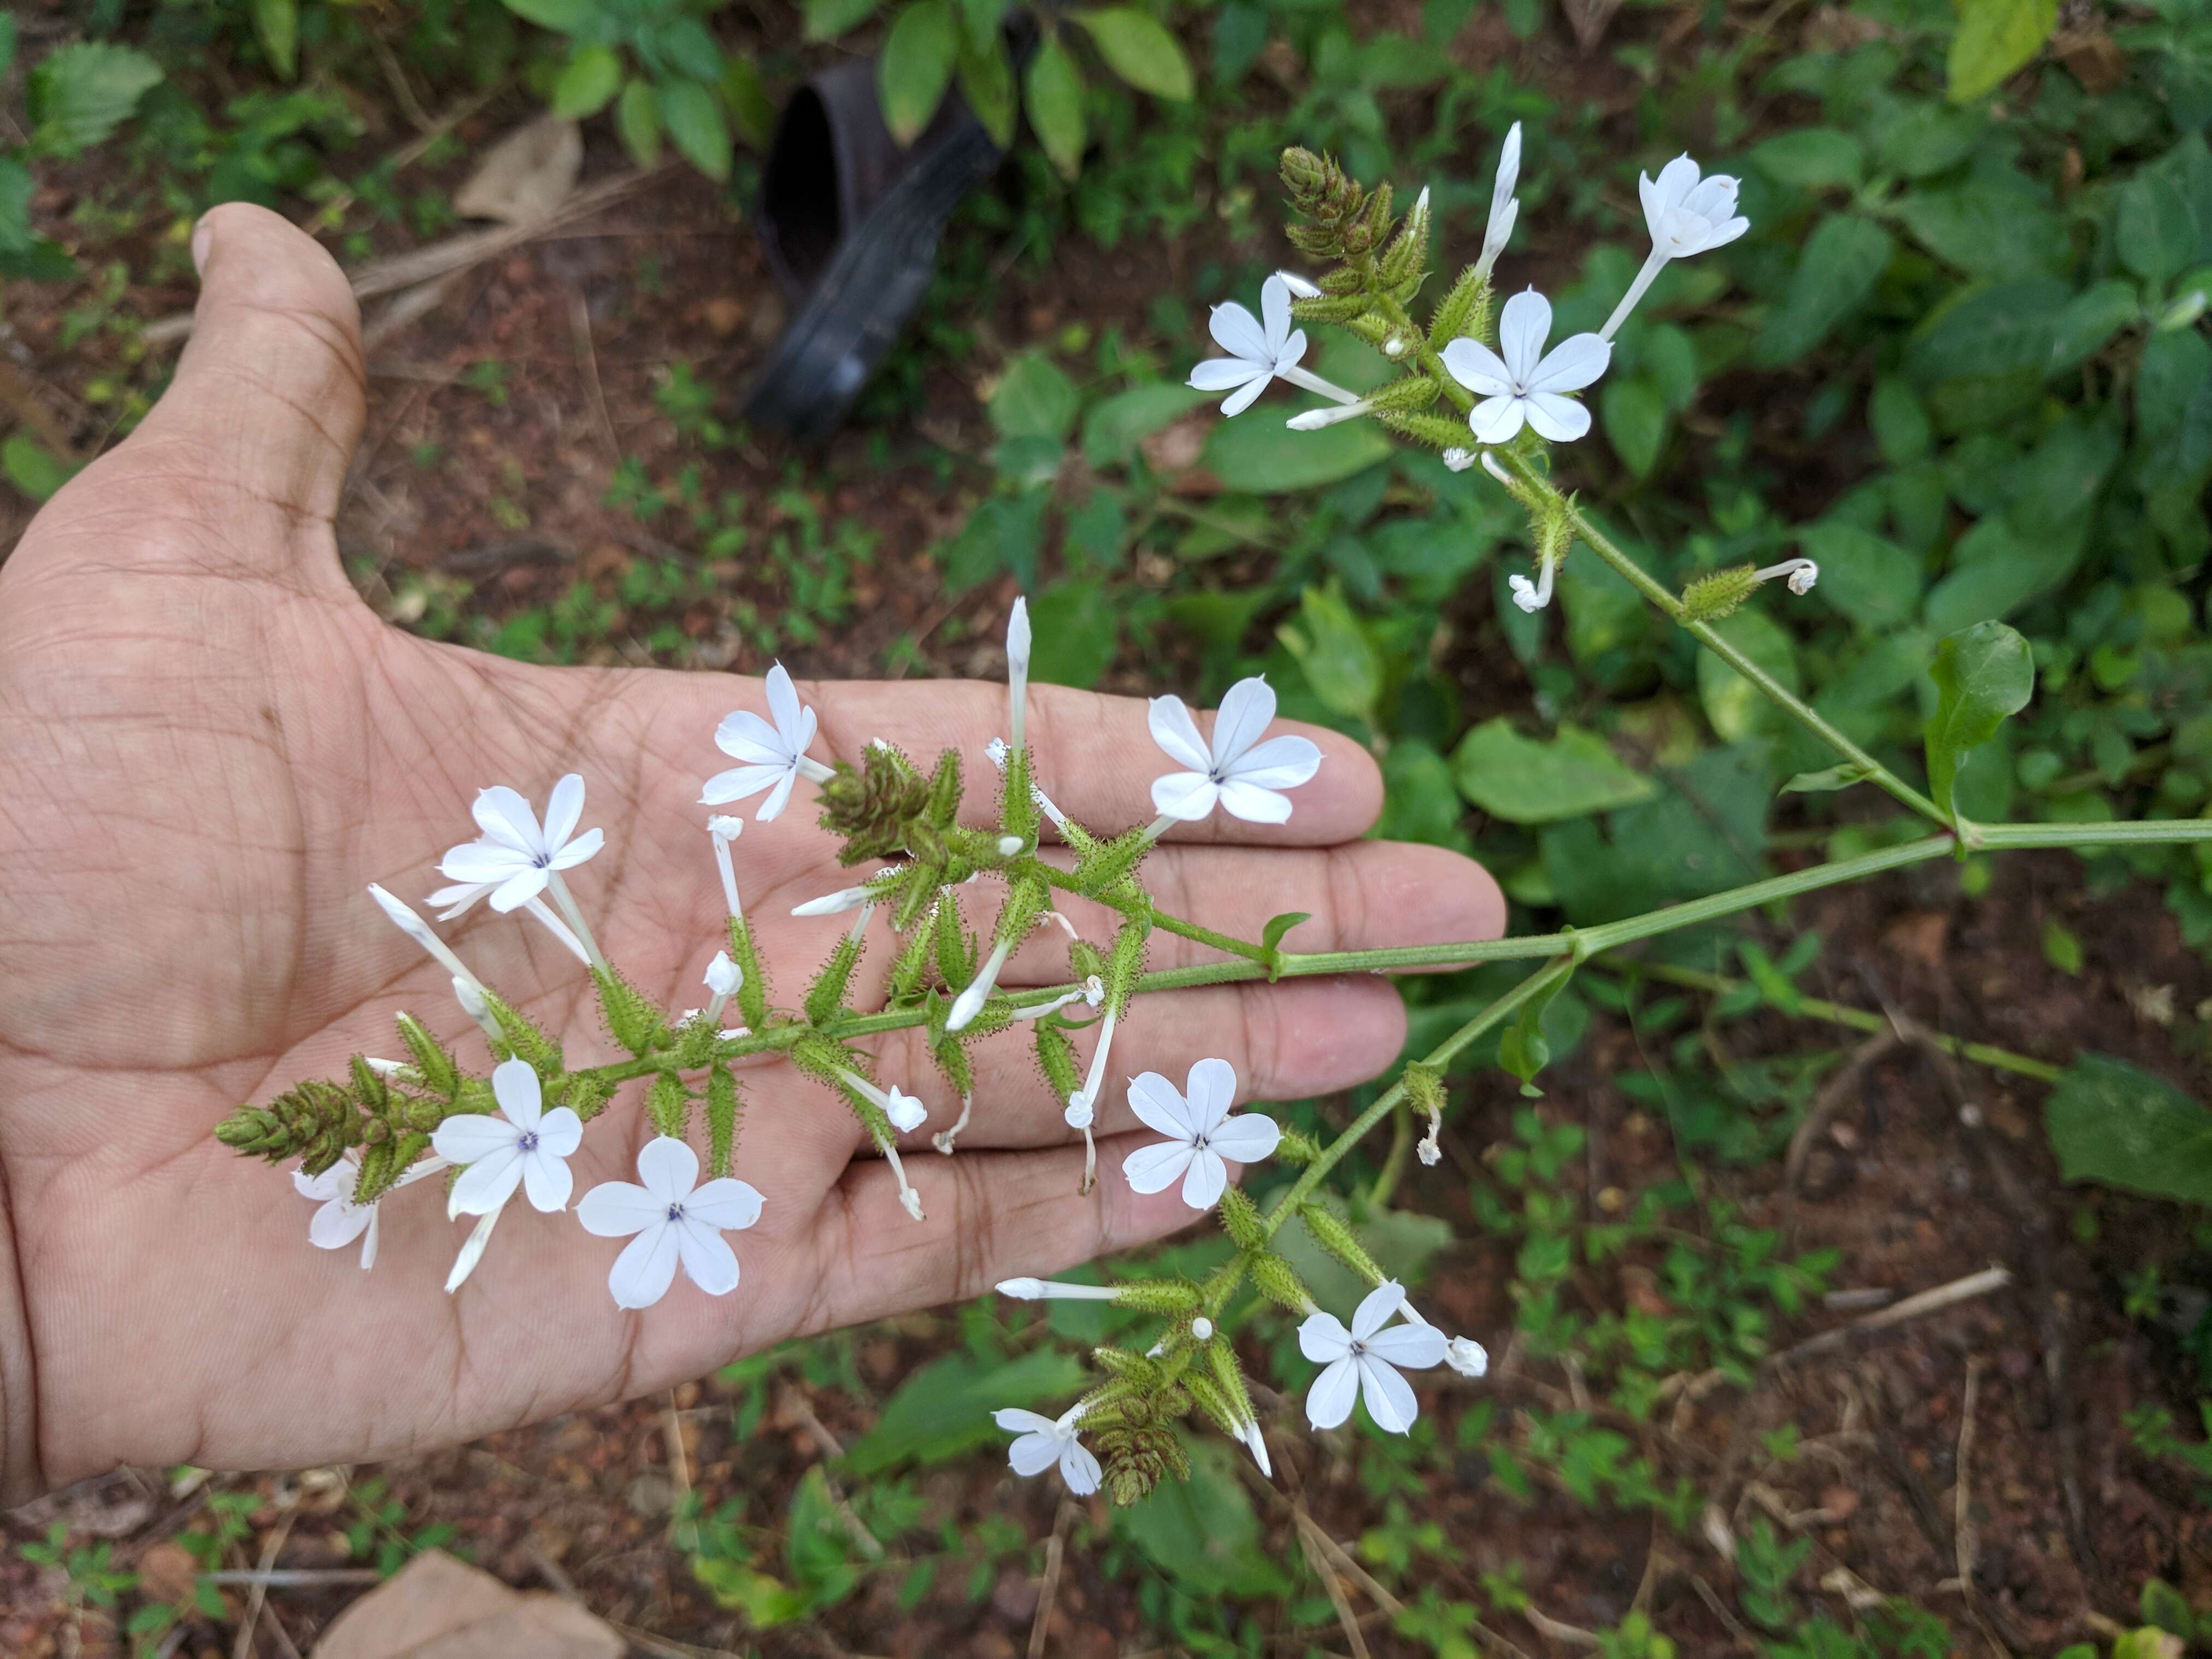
(514, 1086)
(1210, 1092)
(785, 709)
(1415, 1348)
(668, 1168)
(488, 1183)
(1275, 314)
(1328, 1402)
(1495, 419)
(1279, 764)
(1253, 805)
(744, 736)
(1242, 399)
(1675, 182)
(580, 849)
(1207, 1179)
(471, 1137)
(337, 1181)
(1079, 1467)
(1246, 709)
(1225, 374)
(560, 1131)
(1560, 419)
(1522, 327)
(547, 1179)
(1389, 1397)
(1238, 332)
(1186, 796)
(1713, 200)
(519, 889)
(1247, 1138)
(709, 1261)
(1288, 353)
(1321, 1338)
(616, 1209)
(647, 1267)
(778, 798)
(1033, 1453)
(1014, 1421)
(1723, 234)
(477, 862)
(1477, 368)
(562, 808)
(337, 1224)
(1160, 1107)
(1572, 364)
(1176, 732)
(1376, 1308)
(725, 1203)
(506, 816)
(1155, 1168)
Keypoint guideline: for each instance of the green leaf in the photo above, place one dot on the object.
(1525, 780)
(1272, 934)
(2062, 947)
(1114, 428)
(1524, 1050)
(828, 19)
(1035, 398)
(637, 118)
(1338, 660)
(1635, 416)
(1983, 674)
(986, 81)
(32, 468)
(1812, 158)
(1260, 456)
(1201, 1533)
(1737, 708)
(1996, 331)
(277, 27)
(81, 93)
(1076, 625)
(1052, 92)
(2091, 318)
(945, 1408)
(2112, 1123)
(1995, 38)
(1842, 262)
(687, 47)
(752, 116)
(1869, 578)
(693, 120)
(916, 66)
(589, 84)
(1139, 50)
(2156, 235)
(562, 16)
(7, 42)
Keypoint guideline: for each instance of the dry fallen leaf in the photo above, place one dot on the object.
(441, 1608)
(525, 175)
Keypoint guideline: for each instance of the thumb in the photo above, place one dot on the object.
(269, 397)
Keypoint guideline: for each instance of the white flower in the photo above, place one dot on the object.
(1235, 771)
(1018, 674)
(528, 1147)
(1055, 1290)
(515, 856)
(1300, 287)
(906, 1113)
(1467, 1356)
(675, 1218)
(1200, 1133)
(724, 975)
(1504, 209)
(1458, 460)
(340, 1220)
(1801, 573)
(1044, 1441)
(1249, 1436)
(1364, 1360)
(1685, 217)
(1527, 383)
(724, 830)
(774, 756)
(1258, 352)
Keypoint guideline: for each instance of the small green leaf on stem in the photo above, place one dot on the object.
(916, 66)
(1842, 775)
(1052, 92)
(1271, 939)
(1981, 674)
(1523, 1049)
(1139, 50)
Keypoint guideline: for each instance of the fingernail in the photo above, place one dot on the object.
(202, 236)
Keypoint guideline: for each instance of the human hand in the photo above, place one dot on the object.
(209, 748)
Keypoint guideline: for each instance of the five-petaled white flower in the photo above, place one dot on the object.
(1259, 351)
(1200, 1133)
(675, 1218)
(1045, 1441)
(527, 1146)
(517, 857)
(1527, 383)
(340, 1220)
(1364, 1361)
(1686, 217)
(1235, 771)
(774, 756)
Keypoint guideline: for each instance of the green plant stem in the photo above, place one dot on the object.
(1859, 1019)
(2154, 831)
(1394, 1163)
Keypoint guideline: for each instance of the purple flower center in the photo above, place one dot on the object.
(675, 1213)
(527, 1142)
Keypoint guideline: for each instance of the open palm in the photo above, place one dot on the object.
(209, 747)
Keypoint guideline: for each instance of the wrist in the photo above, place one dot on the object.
(20, 1474)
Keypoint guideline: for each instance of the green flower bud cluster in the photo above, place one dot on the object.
(316, 1122)
(1718, 593)
(1344, 219)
